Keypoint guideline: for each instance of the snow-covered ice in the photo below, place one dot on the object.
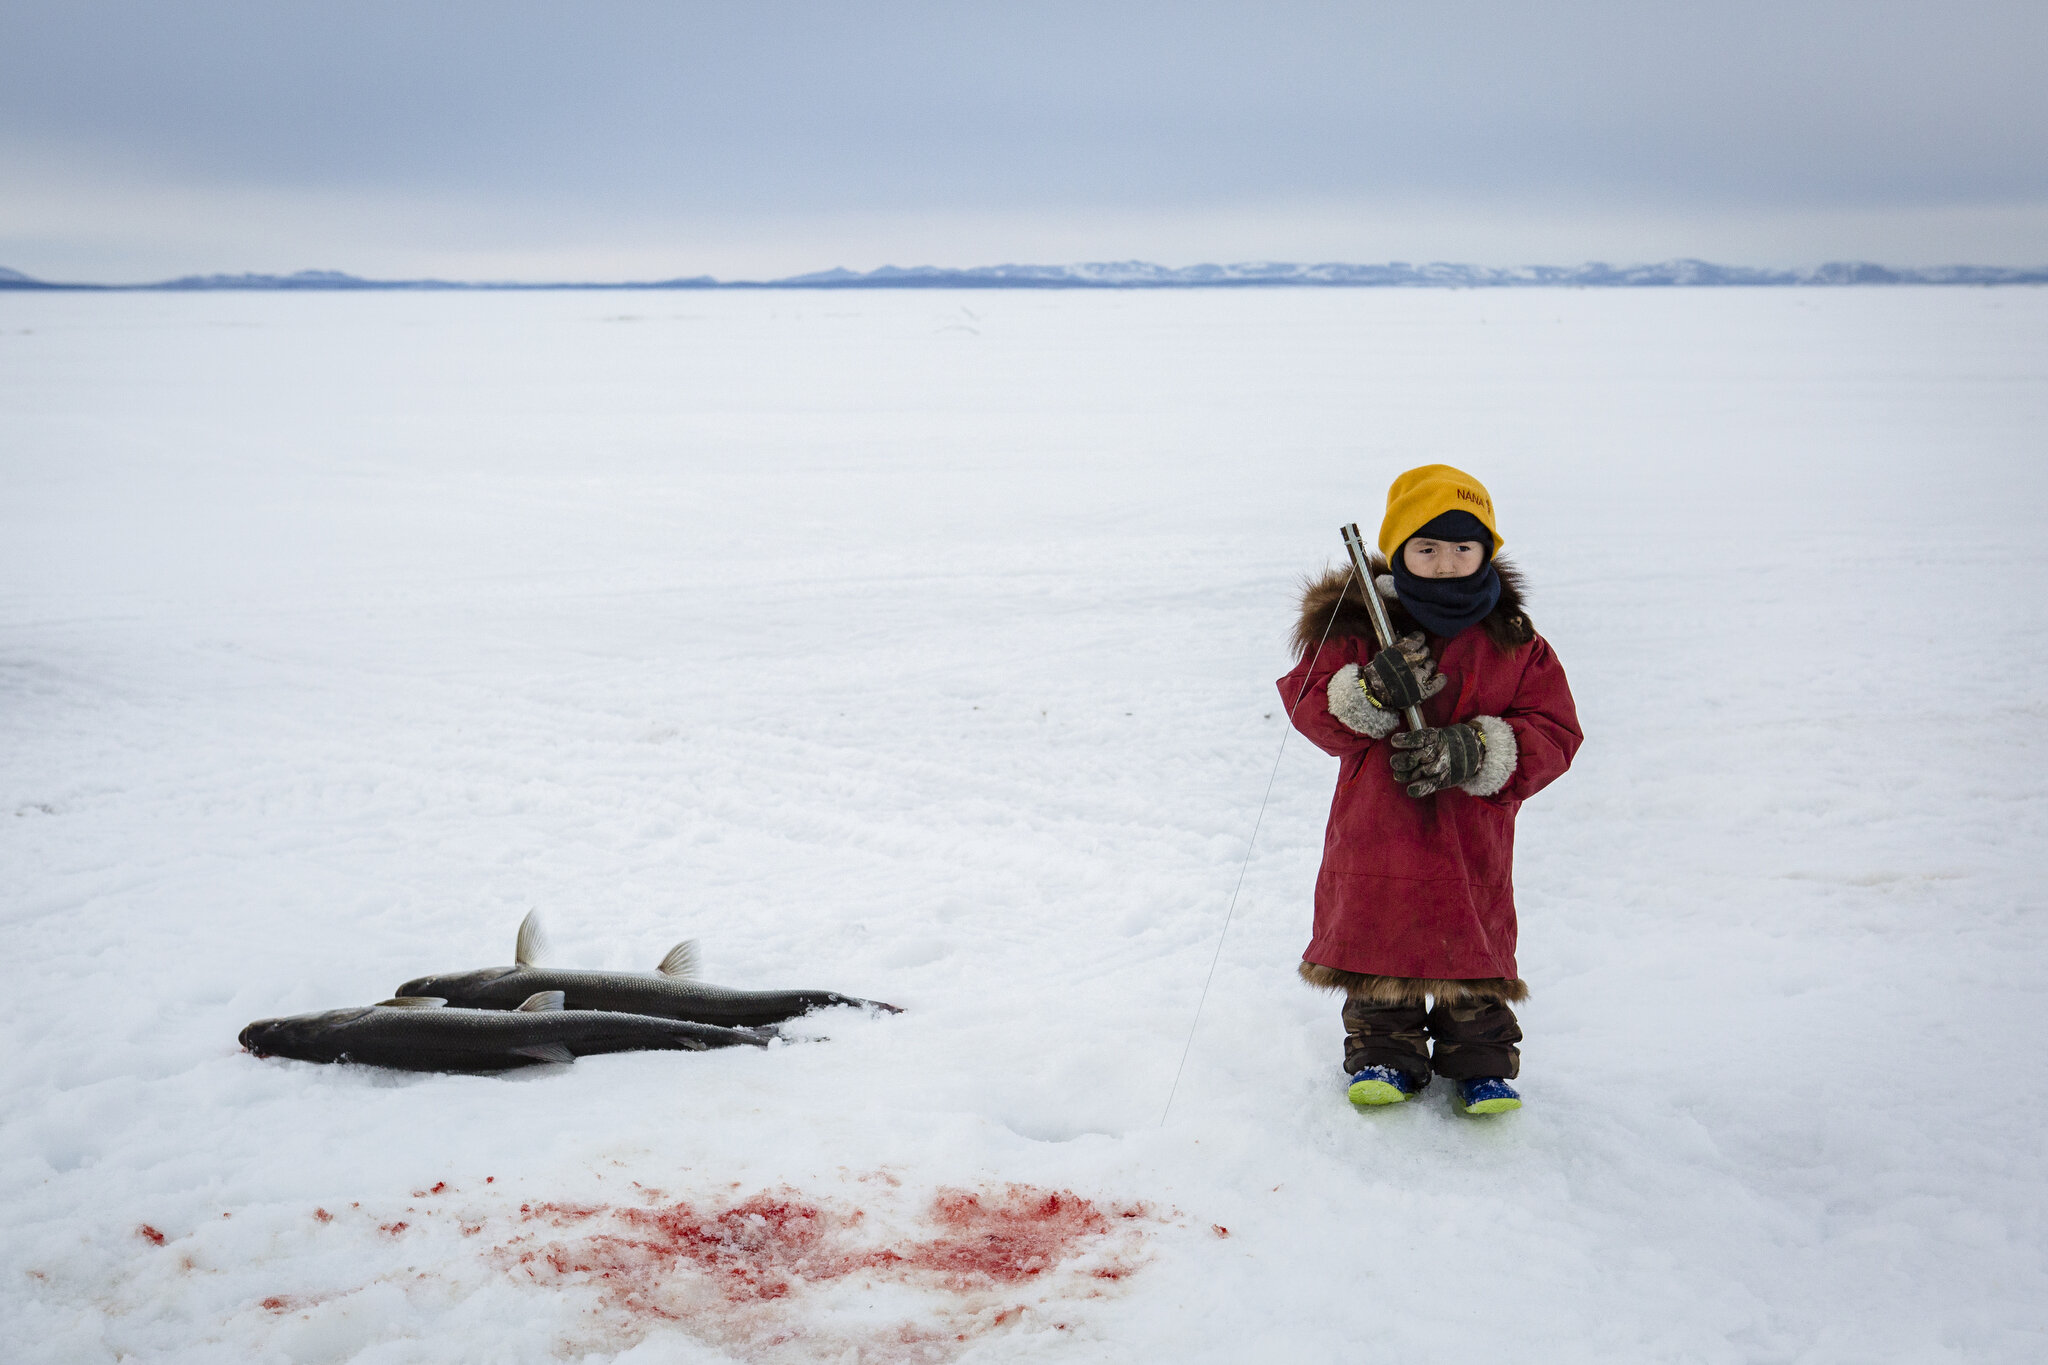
(921, 645)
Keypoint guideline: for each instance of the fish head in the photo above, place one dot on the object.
(304, 1037)
(455, 987)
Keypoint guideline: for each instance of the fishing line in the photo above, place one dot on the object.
(1285, 731)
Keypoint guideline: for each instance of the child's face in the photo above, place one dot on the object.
(1442, 558)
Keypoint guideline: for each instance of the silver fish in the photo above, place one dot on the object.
(420, 1033)
(671, 990)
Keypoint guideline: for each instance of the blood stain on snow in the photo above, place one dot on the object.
(752, 1249)
(762, 1274)
(1219, 1229)
(150, 1235)
(679, 1262)
(1009, 1238)
(756, 1247)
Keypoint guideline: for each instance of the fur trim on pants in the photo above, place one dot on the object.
(1417, 991)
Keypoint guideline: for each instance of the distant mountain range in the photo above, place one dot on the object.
(1144, 275)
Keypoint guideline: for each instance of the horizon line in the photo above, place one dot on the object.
(1134, 274)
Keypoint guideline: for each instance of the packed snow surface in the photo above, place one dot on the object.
(921, 646)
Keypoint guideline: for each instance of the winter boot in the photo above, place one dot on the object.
(1487, 1095)
(1380, 1085)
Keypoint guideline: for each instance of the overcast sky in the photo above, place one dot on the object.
(606, 140)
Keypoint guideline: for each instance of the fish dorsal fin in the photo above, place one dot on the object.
(543, 1002)
(532, 944)
(414, 1002)
(683, 961)
(546, 1052)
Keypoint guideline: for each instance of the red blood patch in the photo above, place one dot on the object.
(752, 1249)
(658, 1263)
(765, 1271)
(1010, 1237)
(150, 1235)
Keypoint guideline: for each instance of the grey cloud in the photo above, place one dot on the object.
(799, 106)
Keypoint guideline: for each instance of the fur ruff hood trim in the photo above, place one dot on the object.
(1414, 990)
(1507, 625)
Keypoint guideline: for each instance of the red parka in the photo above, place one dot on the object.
(1424, 888)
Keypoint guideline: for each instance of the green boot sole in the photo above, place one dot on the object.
(1368, 1094)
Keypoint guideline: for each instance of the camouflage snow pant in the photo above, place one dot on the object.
(1472, 1041)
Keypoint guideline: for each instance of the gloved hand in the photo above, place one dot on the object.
(1403, 675)
(1430, 760)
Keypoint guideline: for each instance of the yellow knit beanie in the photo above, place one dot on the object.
(1422, 495)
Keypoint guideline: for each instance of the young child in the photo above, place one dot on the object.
(1415, 906)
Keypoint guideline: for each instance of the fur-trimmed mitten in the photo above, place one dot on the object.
(1402, 675)
(1430, 760)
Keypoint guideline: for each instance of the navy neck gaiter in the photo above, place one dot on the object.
(1445, 606)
